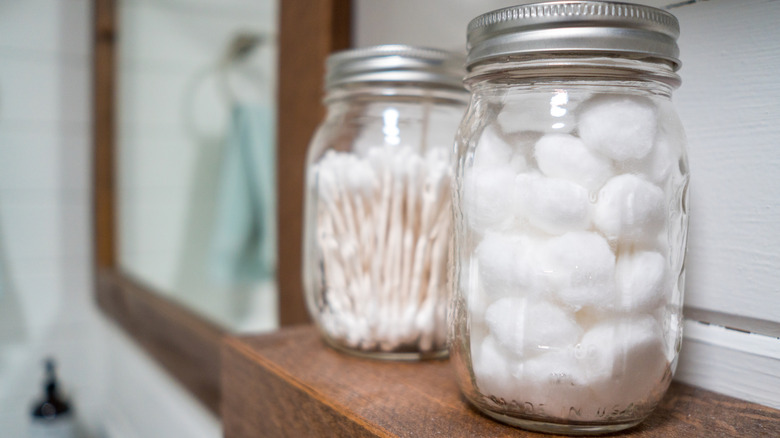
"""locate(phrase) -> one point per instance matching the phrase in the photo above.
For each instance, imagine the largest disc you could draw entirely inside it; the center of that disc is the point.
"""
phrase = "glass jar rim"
(574, 66)
(395, 89)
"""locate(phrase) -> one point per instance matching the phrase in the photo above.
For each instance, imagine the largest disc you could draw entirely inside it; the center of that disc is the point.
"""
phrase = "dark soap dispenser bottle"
(52, 416)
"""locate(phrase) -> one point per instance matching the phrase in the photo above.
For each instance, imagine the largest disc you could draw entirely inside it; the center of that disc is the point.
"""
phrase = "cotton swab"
(384, 236)
(622, 127)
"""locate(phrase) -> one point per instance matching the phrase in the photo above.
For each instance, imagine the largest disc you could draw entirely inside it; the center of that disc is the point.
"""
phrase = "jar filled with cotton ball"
(378, 224)
(570, 216)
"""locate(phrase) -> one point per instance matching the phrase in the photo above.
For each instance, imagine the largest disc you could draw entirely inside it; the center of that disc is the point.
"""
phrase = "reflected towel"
(244, 239)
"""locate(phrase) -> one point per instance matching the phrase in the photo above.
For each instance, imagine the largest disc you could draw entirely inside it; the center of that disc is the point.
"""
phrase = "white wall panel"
(46, 293)
(730, 105)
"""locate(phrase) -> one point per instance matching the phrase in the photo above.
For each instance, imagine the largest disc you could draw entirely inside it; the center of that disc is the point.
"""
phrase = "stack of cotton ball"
(383, 229)
(569, 242)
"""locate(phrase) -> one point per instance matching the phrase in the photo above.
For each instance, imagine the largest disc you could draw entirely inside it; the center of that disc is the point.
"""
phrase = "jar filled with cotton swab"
(570, 216)
(378, 225)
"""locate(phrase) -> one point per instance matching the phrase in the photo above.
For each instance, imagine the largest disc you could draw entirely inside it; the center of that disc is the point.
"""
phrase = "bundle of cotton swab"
(572, 260)
(384, 225)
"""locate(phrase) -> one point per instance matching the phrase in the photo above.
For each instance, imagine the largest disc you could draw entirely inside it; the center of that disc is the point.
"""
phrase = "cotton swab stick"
(384, 226)
(425, 317)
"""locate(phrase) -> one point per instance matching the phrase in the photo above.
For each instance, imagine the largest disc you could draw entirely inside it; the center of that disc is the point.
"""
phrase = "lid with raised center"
(592, 27)
(395, 63)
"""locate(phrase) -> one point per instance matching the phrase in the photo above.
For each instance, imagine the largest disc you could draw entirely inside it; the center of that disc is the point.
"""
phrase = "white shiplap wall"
(730, 104)
(45, 291)
(46, 305)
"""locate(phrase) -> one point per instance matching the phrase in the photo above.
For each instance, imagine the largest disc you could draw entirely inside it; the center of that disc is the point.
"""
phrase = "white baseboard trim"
(732, 362)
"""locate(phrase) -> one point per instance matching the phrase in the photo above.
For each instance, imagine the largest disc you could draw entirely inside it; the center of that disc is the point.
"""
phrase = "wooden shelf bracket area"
(289, 384)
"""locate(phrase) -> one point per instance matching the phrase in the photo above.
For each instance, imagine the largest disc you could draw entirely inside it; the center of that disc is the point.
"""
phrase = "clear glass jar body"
(570, 235)
(378, 220)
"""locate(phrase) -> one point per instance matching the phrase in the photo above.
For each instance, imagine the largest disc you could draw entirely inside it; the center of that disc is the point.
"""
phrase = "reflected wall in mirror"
(196, 155)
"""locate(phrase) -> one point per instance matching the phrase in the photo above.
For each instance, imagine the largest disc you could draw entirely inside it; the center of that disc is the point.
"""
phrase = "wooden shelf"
(289, 384)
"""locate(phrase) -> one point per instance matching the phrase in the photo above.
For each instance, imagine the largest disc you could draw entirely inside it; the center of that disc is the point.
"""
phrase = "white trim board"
(739, 364)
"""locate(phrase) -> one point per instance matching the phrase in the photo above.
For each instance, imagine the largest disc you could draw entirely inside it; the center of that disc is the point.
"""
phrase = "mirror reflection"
(196, 155)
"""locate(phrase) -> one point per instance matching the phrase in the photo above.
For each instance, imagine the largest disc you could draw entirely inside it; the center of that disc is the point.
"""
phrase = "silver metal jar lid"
(395, 63)
(557, 27)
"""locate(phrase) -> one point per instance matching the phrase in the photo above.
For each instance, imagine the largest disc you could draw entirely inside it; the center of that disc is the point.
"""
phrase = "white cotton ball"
(488, 197)
(611, 346)
(518, 163)
(624, 359)
(659, 163)
(523, 326)
(504, 264)
(558, 205)
(630, 208)
(549, 326)
(492, 150)
(477, 300)
(554, 367)
(506, 319)
(621, 127)
(522, 191)
(495, 151)
(565, 156)
(493, 370)
(578, 269)
(555, 379)
(642, 281)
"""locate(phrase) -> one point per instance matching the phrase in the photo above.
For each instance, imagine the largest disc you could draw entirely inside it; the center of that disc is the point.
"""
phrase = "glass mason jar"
(570, 216)
(378, 222)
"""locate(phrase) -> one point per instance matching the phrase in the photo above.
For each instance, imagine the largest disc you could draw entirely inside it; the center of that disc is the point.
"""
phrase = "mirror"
(195, 157)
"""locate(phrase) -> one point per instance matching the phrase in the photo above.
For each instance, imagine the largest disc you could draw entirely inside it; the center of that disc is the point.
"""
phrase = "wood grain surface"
(185, 344)
(288, 384)
(104, 30)
(309, 31)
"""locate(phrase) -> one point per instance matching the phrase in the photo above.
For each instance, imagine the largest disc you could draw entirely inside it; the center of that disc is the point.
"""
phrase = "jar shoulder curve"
(471, 125)
(336, 132)
(565, 108)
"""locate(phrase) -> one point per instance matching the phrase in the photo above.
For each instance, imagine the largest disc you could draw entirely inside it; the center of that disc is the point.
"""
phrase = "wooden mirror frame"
(184, 343)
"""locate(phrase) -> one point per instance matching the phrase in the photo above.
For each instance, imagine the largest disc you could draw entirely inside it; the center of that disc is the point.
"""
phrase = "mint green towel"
(244, 239)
